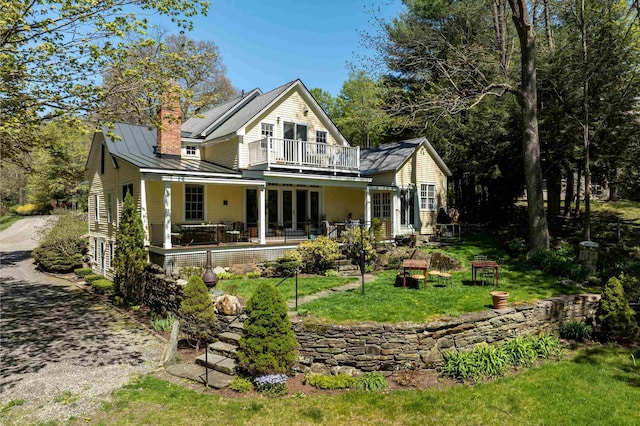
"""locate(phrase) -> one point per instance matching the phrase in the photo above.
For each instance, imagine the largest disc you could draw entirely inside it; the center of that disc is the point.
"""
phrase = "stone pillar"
(588, 254)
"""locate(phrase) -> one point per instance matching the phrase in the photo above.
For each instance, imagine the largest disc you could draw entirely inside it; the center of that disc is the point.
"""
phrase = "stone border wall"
(334, 348)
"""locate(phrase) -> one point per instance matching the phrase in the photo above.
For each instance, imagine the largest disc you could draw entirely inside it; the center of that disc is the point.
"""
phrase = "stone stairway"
(346, 268)
(221, 355)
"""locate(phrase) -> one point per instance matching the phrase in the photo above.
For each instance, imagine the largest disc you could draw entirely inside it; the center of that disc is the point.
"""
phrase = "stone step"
(218, 363)
(198, 373)
(237, 326)
(224, 349)
(229, 337)
(342, 262)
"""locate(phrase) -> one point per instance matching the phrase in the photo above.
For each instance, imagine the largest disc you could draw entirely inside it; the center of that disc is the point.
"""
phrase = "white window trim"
(184, 203)
(109, 205)
(185, 153)
(326, 133)
(96, 208)
(435, 197)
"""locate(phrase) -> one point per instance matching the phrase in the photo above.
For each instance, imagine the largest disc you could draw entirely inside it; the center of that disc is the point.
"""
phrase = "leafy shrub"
(353, 243)
(517, 246)
(27, 209)
(318, 255)
(102, 286)
(546, 345)
(187, 272)
(371, 381)
(614, 316)
(339, 381)
(491, 360)
(241, 385)
(575, 330)
(559, 261)
(286, 265)
(631, 286)
(83, 272)
(196, 311)
(460, 365)
(63, 244)
(272, 384)
(225, 275)
(253, 275)
(268, 345)
(331, 273)
(163, 324)
(520, 352)
(93, 277)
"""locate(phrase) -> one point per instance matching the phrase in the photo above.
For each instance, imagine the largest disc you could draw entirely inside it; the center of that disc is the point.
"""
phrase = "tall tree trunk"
(538, 228)
(578, 190)
(547, 26)
(498, 11)
(614, 186)
(568, 195)
(585, 127)
(554, 187)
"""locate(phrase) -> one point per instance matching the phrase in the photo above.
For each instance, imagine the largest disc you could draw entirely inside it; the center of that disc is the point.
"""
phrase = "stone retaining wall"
(162, 293)
(332, 348)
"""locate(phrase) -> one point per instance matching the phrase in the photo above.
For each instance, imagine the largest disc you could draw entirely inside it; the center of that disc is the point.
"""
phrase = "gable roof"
(136, 145)
(392, 156)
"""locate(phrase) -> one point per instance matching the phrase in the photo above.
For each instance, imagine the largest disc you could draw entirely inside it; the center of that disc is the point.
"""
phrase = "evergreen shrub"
(83, 272)
(93, 277)
(268, 345)
(285, 265)
(318, 255)
(197, 313)
(614, 316)
(63, 244)
(102, 286)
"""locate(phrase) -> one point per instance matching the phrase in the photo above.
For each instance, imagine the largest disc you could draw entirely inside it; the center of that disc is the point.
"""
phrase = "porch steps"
(217, 362)
(345, 267)
(224, 349)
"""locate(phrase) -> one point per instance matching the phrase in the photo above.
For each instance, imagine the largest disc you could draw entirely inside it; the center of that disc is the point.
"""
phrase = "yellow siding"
(216, 211)
(291, 109)
(339, 202)
(385, 179)
(223, 153)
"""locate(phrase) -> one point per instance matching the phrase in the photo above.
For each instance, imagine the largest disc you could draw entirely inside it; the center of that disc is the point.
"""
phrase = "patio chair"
(176, 234)
(233, 234)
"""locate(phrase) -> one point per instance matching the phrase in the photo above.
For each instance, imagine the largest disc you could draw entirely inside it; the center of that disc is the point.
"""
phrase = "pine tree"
(196, 311)
(268, 345)
(130, 256)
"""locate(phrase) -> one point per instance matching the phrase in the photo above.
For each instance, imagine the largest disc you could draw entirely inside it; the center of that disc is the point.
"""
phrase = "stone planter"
(499, 299)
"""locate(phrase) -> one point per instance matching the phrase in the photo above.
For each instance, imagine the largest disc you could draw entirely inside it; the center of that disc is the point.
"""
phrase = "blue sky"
(268, 43)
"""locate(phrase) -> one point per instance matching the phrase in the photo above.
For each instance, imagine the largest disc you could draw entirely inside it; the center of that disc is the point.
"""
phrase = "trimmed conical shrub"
(197, 313)
(268, 345)
(615, 317)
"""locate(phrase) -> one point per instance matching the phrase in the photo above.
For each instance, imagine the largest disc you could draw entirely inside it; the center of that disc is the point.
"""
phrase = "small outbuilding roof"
(391, 156)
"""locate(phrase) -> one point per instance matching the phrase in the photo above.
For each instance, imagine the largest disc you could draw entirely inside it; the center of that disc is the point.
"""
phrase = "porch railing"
(289, 152)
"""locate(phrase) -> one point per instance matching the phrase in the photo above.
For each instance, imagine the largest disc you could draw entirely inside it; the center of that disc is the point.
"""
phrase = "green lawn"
(383, 302)
(600, 386)
(624, 210)
(306, 285)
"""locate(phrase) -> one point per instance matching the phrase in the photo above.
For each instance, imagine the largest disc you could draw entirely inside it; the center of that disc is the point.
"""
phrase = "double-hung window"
(427, 197)
(194, 202)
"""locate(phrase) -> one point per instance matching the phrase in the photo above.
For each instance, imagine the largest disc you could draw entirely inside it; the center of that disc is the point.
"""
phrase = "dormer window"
(191, 150)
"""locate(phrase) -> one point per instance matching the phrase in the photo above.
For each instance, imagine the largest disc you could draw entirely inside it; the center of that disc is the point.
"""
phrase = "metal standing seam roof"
(391, 156)
(136, 146)
(249, 111)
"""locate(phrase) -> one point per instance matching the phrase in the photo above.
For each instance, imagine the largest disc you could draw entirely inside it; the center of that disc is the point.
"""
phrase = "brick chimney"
(170, 123)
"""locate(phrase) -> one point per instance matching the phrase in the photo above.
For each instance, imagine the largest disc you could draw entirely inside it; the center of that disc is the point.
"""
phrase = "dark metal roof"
(136, 145)
(391, 156)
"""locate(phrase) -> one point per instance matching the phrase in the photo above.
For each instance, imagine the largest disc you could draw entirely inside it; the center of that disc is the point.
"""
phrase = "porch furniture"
(176, 234)
(233, 231)
(448, 231)
(202, 234)
(486, 267)
(409, 265)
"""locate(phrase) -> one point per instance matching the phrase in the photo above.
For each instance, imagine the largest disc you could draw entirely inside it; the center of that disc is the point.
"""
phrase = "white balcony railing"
(288, 152)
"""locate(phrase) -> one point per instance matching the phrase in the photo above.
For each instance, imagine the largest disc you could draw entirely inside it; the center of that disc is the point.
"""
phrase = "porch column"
(262, 216)
(367, 207)
(143, 210)
(395, 209)
(167, 216)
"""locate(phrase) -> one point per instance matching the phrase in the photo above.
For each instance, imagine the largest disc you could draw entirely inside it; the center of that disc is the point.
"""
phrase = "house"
(250, 179)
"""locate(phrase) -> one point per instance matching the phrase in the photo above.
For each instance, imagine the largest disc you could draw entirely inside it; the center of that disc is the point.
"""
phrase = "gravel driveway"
(62, 351)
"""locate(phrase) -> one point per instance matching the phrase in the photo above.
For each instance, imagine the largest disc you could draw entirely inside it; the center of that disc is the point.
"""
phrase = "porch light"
(305, 111)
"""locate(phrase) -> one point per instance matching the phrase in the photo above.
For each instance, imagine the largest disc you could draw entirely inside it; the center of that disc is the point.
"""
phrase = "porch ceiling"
(312, 179)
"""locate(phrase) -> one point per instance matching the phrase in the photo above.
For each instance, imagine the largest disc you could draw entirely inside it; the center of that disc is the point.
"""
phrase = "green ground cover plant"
(102, 286)
(306, 285)
(337, 381)
(382, 302)
(593, 387)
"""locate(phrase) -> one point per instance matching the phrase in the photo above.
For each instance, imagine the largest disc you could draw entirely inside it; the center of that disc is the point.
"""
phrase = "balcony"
(289, 153)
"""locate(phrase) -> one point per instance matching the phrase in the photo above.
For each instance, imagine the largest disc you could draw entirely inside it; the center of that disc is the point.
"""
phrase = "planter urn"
(499, 299)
